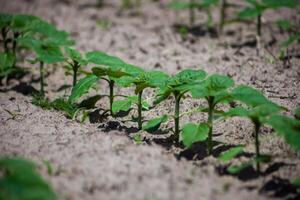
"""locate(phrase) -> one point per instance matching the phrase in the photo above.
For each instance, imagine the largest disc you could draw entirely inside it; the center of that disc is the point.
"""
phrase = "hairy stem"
(140, 123)
(210, 122)
(111, 95)
(257, 151)
(176, 116)
(42, 92)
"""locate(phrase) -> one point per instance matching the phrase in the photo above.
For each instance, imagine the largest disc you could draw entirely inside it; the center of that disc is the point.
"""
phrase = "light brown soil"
(92, 163)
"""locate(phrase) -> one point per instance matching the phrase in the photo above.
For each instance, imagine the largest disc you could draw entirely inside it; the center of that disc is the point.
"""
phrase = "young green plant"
(259, 109)
(214, 89)
(256, 9)
(178, 85)
(75, 61)
(111, 68)
(146, 79)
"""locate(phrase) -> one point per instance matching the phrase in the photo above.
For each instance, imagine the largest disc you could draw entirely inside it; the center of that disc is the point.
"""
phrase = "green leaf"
(101, 58)
(7, 62)
(288, 128)
(250, 13)
(214, 86)
(249, 96)
(82, 87)
(180, 5)
(20, 180)
(231, 153)
(192, 133)
(187, 76)
(154, 124)
(5, 20)
(234, 169)
(119, 105)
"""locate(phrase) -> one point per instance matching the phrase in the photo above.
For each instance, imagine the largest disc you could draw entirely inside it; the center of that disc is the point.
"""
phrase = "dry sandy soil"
(101, 160)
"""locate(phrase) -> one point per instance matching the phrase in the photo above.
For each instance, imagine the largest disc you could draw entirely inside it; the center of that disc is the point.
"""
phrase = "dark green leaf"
(288, 128)
(154, 124)
(234, 169)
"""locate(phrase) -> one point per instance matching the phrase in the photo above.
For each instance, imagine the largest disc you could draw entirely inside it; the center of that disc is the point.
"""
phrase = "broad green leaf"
(7, 64)
(82, 87)
(231, 153)
(250, 13)
(192, 133)
(249, 96)
(288, 128)
(111, 73)
(101, 58)
(214, 86)
(154, 124)
(176, 5)
(119, 105)
(186, 76)
(124, 81)
(234, 169)
(20, 181)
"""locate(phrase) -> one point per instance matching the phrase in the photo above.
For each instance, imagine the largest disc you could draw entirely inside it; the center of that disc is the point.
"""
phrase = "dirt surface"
(101, 160)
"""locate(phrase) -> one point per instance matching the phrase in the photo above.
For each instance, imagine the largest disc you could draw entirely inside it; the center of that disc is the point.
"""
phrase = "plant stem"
(42, 92)
(75, 70)
(192, 12)
(222, 15)
(176, 116)
(256, 132)
(140, 123)
(111, 95)
(4, 35)
(258, 33)
(210, 123)
(14, 47)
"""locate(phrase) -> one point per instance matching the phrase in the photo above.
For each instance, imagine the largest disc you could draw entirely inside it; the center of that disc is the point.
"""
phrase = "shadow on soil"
(197, 30)
(280, 188)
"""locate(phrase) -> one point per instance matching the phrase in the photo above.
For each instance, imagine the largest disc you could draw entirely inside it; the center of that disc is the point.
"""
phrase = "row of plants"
(252, 12)
(50, 45)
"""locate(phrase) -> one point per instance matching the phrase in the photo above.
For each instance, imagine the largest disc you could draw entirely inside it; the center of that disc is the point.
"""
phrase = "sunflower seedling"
(145, 79)
(259, 109)
(214, 89)
(110, 69)
(75, 61)
(178, 85)
(256, 9)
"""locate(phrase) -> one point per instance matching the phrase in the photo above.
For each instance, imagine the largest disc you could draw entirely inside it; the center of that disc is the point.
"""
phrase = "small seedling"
(214, 89)
(192, 5)
(20, 180)
(147, 79)
(258, 7)
(178, 85)
(110, 69)
(75, 61)
(258, 111)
